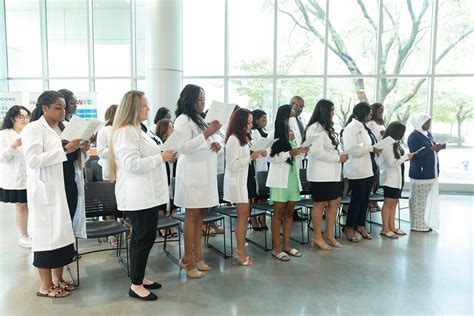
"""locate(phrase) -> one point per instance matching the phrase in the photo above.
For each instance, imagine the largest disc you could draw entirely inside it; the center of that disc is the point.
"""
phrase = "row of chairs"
(101, 202)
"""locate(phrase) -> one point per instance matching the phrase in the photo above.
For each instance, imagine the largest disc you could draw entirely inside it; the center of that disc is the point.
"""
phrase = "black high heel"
(253, 227)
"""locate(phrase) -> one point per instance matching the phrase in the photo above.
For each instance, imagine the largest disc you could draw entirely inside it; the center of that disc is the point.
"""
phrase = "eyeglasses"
(23, 117)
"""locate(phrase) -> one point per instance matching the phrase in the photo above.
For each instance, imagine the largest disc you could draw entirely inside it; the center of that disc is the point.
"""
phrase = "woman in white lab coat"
(261, 164)
(238, 159)
(12, 162)
(196, 174)
(358, 143)
(137, 164)
(284, 181)
(73, 170)
(324, 172)
(392, 177)
(103, 139)
(51, 226)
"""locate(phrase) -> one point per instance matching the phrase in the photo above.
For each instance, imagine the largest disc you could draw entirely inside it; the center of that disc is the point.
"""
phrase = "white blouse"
(323, 157)
(12, 162)
(358, 145)
(237, 158)
(103, 138)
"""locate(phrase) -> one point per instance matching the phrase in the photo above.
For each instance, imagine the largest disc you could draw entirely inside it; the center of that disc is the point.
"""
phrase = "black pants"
(360, 189)
(144, 224)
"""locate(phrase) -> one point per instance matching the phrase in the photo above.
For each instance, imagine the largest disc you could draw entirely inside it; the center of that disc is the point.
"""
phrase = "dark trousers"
(360, 189)
(144, 224)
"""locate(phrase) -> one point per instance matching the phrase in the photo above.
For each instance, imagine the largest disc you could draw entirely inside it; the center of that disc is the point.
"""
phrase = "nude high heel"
(201, 264)
(190, 269)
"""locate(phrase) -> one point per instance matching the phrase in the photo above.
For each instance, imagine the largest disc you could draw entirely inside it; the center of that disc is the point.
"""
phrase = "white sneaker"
(24, 241)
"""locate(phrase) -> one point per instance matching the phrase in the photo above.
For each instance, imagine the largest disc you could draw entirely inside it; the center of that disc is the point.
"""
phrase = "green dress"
(292, 191)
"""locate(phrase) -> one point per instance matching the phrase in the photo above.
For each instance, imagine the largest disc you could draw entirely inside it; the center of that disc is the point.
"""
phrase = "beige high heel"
(320, 243)
(332, 241)
(190, 269)
(201, 264)
(243, 261)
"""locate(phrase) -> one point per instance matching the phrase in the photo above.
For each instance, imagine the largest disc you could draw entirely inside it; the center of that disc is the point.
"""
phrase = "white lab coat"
(390, 168)
(323, 158)
(50, 222)
(358, 145)
(196, 173)
(141, 174)
(261, 164)
(279, 168)
(103, 139)
(237, 159)
(12, 162)
(79, 220)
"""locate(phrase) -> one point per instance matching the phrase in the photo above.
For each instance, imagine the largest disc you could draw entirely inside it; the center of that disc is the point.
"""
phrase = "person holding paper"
(51, 226)
(164, 129)
(358, 143)
(239, 172)
(284, 181)
(196, 174)
(137, 164)
(102, 143)
(324, 172)
(392, 170)
(377, 127)
(73, 169)
(12, 168)
(261, 164)
(103, 139)
(424, 172)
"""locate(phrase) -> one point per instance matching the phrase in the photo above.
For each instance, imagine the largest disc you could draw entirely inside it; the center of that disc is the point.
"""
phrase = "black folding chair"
(100, 201)
(167, 222)
(230, 211)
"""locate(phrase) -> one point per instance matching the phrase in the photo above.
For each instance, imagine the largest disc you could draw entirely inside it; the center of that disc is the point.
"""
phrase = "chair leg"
(77, 263)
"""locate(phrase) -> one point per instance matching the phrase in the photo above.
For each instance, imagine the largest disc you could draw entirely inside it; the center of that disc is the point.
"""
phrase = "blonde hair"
(126, 114)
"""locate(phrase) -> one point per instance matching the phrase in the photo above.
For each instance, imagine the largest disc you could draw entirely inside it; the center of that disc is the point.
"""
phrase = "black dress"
(69, 173)
(251, 184)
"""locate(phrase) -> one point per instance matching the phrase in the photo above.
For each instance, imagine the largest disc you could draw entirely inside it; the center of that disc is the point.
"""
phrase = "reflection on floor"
(422, 273)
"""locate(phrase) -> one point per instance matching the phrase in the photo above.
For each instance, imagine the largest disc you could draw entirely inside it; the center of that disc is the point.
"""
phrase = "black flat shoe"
(153, 286)
(149, 297)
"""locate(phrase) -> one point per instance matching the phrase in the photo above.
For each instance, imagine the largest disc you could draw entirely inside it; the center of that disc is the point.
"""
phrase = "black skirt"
(391, 193)
(251, 184)
(326, 191)
(52, 259)
(13, 196)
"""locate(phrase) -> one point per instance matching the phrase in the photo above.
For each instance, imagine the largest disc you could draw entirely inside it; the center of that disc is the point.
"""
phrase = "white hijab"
(419, 120)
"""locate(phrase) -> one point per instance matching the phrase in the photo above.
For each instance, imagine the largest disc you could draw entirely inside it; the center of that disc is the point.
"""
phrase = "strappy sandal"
(66, 286)
(389, 234)
(282, 256)
(399, 232)
(294, 252)
(364, 235)
(54, 292)
(201, 264)
(351, 239)
(239, 256)
(190, 269)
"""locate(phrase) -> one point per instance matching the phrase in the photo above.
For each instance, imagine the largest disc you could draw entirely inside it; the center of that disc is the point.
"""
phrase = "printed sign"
(86, 105)
(7, 100)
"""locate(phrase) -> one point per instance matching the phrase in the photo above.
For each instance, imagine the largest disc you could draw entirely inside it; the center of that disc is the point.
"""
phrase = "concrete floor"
(422, 273)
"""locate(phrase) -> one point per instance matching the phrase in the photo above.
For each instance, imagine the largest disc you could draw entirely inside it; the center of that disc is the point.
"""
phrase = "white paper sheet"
(220, 111)
(82, 129)
(309, 141)
(262, 143)
(174, 141)
(385, 142)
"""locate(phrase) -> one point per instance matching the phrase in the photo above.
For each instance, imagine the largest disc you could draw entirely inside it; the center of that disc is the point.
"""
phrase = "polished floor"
(418, 274)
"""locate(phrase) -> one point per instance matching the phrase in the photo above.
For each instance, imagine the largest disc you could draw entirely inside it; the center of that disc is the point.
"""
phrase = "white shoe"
(24, 241)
